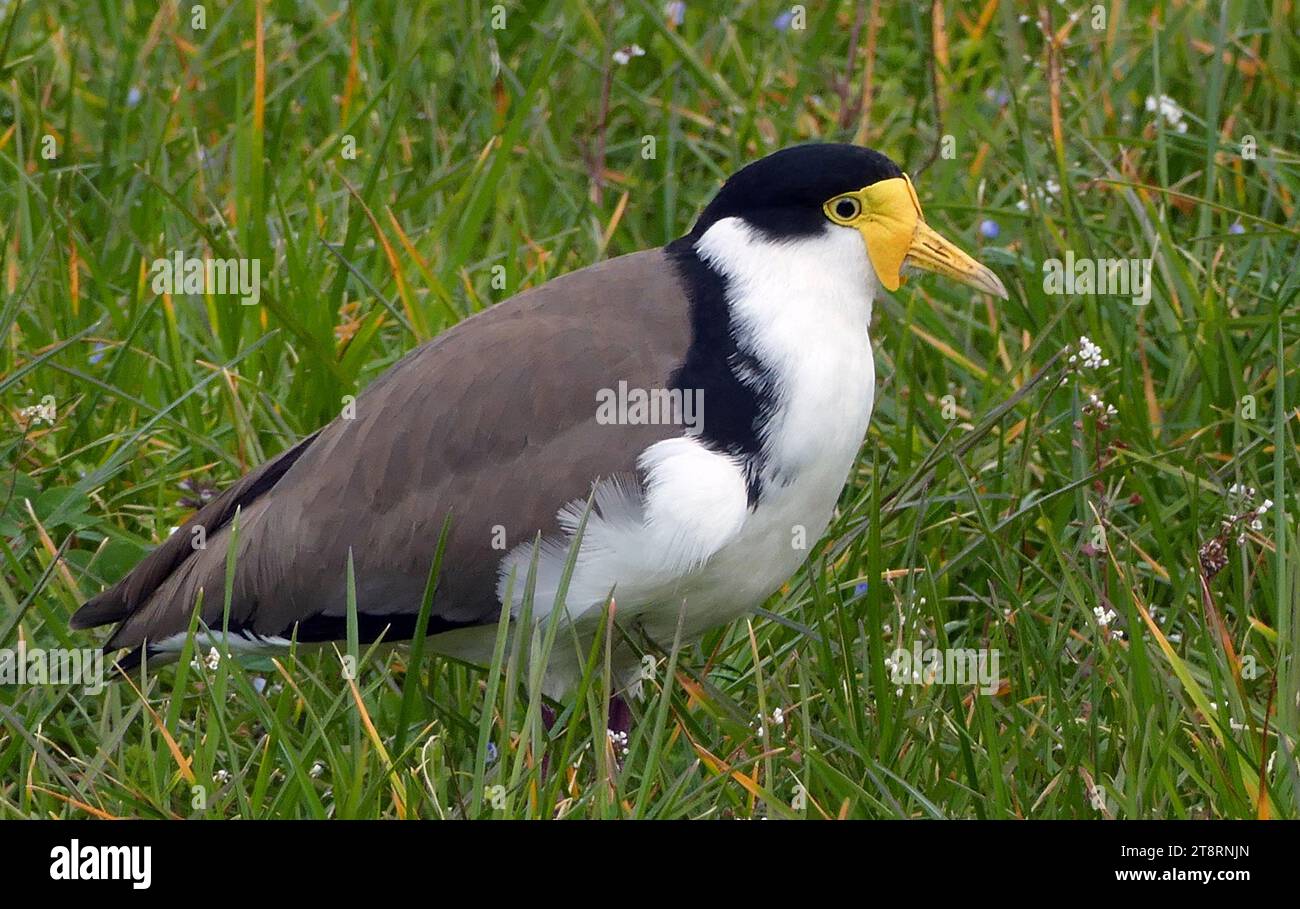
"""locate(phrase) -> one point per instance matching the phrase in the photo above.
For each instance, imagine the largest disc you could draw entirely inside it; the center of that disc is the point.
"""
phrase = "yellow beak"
(931, 252)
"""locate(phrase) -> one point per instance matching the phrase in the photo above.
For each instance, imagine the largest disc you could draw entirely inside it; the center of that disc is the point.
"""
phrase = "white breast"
(804, 308)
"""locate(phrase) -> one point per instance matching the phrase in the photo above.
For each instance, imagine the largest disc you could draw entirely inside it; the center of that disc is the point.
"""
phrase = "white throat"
(802, 307)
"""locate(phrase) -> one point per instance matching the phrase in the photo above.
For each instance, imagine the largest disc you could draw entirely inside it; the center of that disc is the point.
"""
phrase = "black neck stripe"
(736, 409)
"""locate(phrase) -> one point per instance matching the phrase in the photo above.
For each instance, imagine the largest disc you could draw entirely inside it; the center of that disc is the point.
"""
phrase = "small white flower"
(212, 660)
(221, 777)
(1096, 405)
(33, 414)
(1089, 355)
(1169, 109)
(1104, 616)
(619, 741)
(316, 770)
(623, 56)
(1097, 798)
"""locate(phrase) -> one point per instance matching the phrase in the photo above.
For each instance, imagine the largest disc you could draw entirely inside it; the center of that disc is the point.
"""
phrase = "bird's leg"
(620, 715)
(620, 726)
(548, 721)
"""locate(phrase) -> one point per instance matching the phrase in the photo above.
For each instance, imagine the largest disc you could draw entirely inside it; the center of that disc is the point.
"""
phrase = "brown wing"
(493, 421)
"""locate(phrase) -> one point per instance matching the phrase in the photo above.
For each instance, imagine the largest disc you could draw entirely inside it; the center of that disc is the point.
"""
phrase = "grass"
(396, 167)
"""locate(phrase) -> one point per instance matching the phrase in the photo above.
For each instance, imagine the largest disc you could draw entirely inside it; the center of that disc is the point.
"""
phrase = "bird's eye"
(846, 208)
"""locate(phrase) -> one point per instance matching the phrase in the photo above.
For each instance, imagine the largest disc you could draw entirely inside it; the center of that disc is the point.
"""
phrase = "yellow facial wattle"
(888, 215)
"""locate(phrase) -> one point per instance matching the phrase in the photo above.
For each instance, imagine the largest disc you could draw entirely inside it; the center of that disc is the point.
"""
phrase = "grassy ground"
(395, 167)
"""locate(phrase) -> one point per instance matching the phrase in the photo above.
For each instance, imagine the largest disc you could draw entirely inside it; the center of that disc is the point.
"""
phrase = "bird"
(668, 424)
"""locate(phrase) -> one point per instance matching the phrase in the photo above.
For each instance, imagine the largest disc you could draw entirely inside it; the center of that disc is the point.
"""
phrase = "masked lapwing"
(708, 399)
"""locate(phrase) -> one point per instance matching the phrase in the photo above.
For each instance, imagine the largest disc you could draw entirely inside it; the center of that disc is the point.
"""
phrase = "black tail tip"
(100, 610)
(131, 660)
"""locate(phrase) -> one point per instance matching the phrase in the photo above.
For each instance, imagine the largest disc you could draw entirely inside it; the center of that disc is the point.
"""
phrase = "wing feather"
(493, 422)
